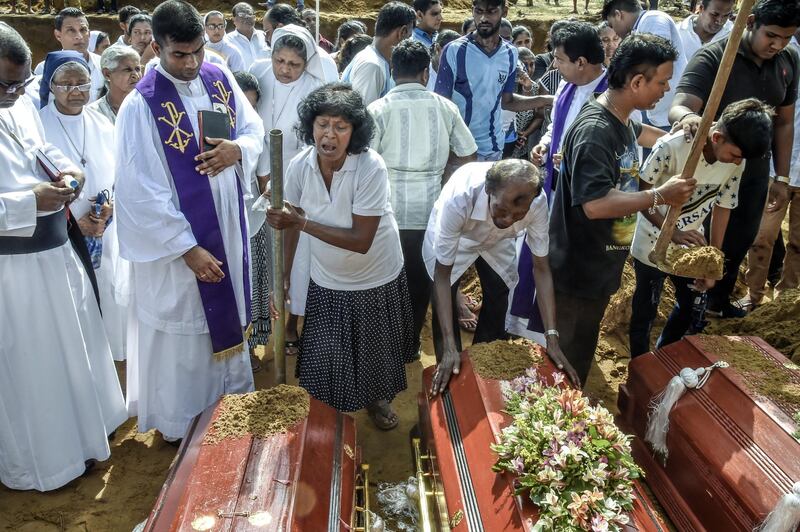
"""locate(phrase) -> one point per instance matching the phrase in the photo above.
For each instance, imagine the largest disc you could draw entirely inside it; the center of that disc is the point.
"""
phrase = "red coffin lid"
(302, 480)
(486, 499)
(731, 453)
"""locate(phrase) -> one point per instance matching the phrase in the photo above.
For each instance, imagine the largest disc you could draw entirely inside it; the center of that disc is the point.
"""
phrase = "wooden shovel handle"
(659, 253)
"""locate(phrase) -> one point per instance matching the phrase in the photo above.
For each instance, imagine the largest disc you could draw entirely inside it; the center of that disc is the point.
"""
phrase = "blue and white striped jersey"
(475, 81)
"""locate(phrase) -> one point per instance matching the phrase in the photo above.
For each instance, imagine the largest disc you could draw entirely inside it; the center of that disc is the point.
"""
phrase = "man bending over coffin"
(480, 212)
(183, 227)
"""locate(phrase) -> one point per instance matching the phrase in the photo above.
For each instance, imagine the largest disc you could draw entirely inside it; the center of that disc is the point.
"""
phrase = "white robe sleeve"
(149, 224)
(18, 211)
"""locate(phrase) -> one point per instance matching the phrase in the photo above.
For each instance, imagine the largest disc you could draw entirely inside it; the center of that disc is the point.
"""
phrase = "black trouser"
(740, 235)
(578, 321)
(644, 306)
(776, 263)
(492, 318)
(419, 282)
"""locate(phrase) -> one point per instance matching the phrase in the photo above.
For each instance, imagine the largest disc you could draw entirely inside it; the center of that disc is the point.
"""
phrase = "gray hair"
(12, 46)
(114, 54)
(508, 171)
(71, 66)
(293, 42)
(240, 6)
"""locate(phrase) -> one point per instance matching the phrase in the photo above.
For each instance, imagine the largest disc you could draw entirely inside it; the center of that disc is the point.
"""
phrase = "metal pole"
(278, 296)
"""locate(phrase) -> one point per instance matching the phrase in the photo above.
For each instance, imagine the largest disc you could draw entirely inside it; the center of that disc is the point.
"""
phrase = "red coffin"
(303, 480)
(731, 455)
(457, 428)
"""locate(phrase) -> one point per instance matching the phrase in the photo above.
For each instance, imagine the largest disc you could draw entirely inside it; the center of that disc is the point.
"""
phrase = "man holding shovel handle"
(764, 68)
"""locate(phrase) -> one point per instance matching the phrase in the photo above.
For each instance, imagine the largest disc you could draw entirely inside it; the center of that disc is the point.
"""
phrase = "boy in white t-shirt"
(743, 131)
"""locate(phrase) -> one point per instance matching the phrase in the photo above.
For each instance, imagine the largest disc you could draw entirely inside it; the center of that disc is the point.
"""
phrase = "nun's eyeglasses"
(66, 89)
(213, 27)
(11, 88)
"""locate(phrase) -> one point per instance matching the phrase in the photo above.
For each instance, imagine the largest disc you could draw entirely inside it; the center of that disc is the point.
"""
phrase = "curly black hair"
(336, 99)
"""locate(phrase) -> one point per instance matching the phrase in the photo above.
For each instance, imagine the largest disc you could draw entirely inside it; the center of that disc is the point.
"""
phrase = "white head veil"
(313, 61)
(93, 36)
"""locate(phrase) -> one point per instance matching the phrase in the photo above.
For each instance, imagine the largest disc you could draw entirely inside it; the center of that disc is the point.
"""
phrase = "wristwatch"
(781, 179)
(551, 332)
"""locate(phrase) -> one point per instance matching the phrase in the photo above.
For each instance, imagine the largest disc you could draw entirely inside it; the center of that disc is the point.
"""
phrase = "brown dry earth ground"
(120, 492)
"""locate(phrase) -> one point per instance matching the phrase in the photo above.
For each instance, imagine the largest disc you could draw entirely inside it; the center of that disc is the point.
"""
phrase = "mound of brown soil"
(261, 413)
(697, 262)
(761, 374)
(504, 359)
(777, 322)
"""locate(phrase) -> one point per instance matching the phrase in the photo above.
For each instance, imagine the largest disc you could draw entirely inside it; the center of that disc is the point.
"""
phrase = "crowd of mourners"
(136, 221)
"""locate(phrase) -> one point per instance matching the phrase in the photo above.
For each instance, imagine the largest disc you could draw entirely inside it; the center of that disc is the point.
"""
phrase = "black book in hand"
(215, 125)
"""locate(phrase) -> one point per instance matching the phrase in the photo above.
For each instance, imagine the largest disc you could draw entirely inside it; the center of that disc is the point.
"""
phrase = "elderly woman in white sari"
(122, 70)
(294, 70)
(86, 137)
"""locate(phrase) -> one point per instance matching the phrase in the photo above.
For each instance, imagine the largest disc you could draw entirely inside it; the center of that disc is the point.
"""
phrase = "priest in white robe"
(59, 392)
(191, 302)
(84, 135)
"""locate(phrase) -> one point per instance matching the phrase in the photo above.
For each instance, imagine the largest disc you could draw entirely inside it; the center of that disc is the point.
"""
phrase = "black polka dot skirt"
(260, 285)
(355, 344)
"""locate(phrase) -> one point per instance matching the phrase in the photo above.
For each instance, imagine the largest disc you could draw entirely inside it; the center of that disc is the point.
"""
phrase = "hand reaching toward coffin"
(449, 366)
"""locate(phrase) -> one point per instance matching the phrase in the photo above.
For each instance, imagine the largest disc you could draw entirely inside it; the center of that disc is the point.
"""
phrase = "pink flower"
(599, 524)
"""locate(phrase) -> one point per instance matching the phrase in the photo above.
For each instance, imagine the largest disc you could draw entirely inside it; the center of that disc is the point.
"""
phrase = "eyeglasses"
(11, 88)
(214, 27)
(66, 89)
(246, 18)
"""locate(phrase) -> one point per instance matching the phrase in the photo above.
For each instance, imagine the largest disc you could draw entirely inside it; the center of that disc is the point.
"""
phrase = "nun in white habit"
(292, 72)
(85, 136)
(59, 392)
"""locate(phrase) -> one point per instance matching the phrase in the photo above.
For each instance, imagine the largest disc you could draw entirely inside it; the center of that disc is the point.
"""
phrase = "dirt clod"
(504, 359)
(261, 413)
(697, 262)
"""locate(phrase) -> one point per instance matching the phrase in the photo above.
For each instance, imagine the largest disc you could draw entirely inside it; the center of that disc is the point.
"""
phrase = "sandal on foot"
(291, 348)
(382, 415)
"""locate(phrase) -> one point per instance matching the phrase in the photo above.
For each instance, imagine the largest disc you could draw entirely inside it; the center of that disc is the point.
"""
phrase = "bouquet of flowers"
(571, 459)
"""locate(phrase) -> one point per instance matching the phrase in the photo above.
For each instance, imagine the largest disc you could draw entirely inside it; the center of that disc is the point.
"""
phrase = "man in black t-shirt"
(766, 69)
(594, 210)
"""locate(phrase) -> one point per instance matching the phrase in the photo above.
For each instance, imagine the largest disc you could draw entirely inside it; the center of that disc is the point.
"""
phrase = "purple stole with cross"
(523, 301)
(196, 201)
